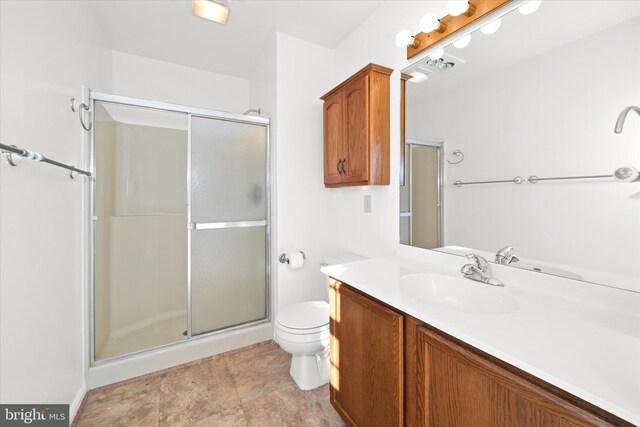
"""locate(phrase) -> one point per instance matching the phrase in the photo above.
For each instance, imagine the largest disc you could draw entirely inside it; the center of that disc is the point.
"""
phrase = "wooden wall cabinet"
(356, 129)
(390, 369)
(366, 359)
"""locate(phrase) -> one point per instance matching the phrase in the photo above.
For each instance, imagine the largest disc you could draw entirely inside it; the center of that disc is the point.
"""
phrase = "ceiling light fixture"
(492, 26)
(529, 7)
(213, 10)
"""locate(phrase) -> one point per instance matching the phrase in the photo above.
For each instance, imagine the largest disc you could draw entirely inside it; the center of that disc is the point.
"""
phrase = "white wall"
(560, 125)
(375, 233)
(47, 51)
(147, 78)
(304, 213)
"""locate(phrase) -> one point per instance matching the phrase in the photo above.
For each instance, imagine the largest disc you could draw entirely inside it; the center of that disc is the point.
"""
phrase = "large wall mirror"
(510, 142)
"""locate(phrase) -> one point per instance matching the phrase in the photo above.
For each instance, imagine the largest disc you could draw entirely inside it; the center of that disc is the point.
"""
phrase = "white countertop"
(580, 337)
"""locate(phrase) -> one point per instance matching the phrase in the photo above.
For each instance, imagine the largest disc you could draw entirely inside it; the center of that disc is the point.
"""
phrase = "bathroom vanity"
(410, 348)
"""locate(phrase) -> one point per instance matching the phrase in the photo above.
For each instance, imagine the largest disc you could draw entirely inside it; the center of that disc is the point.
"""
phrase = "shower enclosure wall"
(180, 224)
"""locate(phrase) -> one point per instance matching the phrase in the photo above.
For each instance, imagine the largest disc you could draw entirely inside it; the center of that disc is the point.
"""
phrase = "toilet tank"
(339, 258)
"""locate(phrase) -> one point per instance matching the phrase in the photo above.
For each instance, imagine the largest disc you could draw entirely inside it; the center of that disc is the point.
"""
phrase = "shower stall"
(180, 224)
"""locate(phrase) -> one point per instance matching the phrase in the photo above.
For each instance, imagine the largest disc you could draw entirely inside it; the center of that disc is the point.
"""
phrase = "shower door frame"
(189, 112)
(439, 146)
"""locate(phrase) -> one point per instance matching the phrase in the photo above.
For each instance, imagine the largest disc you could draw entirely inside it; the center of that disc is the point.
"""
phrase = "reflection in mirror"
(529, 157)
(421, 195)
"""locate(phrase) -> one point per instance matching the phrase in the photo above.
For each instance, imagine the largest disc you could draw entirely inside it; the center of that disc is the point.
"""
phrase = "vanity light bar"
(436, 33)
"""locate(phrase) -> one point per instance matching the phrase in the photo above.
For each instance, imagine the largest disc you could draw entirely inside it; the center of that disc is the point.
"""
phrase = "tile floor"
(245, 387)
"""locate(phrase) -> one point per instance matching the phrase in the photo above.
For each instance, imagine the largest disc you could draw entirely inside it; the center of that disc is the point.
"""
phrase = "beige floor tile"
(135, 403)
(264, 374)
(246, 387)
(198, 392)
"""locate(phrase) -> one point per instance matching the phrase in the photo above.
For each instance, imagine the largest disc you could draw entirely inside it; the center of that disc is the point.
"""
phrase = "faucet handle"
(503, 256)
(482, 263)
(506, 251)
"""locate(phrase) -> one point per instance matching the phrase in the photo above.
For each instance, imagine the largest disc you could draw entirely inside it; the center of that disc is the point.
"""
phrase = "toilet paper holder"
(284, 259)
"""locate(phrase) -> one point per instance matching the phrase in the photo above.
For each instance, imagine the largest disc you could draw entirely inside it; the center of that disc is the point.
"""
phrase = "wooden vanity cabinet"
(356, 129)
(366, 359)
(456, 385)
(390, 369)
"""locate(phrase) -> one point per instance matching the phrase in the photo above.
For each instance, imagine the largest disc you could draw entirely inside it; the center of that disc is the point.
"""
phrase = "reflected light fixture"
(529, 7)
(492, 26)
(213, 10)
(418, 77)
(462, 41)
(437, 54)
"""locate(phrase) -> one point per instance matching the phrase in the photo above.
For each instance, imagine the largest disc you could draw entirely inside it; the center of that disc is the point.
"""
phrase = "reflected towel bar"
(516, 180)
(533, 179)
(39, 158)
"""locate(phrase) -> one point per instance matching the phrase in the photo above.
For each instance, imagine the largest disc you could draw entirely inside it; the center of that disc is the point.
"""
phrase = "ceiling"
(166, 29)
(554, 24)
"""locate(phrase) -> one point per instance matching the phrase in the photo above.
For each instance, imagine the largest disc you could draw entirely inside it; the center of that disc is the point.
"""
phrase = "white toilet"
(302, 329)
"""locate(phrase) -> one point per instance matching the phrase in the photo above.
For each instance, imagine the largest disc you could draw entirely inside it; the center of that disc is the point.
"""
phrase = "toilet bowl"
(302, 329)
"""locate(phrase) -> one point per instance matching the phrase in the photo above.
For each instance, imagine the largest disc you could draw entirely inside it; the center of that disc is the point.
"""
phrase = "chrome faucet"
(479, 271)
(623, 116)
(504, 256)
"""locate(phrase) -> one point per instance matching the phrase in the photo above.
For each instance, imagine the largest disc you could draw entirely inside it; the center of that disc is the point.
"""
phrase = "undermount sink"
(459, 294)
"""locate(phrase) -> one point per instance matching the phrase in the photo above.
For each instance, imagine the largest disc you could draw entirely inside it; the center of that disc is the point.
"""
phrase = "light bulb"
(529, 7)
(437, 54)
(491, 27)
(462, 42)
(457, 7)
(429, 22)
(404, 38)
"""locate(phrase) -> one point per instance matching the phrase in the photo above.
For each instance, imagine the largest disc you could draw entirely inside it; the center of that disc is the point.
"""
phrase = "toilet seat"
(304, 318)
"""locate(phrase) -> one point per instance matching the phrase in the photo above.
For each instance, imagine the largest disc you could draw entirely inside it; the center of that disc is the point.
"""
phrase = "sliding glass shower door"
(180, 240)
(227, 223)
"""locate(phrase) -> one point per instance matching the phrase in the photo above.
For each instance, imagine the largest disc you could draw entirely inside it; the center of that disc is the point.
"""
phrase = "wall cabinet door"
(356, 131)
(333, 136)
(366, 359)
(458, 387)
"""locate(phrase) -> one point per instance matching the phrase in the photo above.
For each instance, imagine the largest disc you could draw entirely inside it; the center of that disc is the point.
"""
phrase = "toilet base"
(310, 372)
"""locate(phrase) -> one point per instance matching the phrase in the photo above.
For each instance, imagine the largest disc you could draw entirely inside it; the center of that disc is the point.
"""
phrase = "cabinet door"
(333, 134)
(366, 360)
(458, 387)
(356, 131)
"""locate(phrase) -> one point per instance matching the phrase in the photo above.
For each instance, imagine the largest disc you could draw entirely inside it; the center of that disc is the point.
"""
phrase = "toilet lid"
(304, 315)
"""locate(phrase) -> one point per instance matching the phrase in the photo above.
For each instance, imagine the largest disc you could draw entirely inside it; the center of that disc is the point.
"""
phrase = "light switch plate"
(367, 203)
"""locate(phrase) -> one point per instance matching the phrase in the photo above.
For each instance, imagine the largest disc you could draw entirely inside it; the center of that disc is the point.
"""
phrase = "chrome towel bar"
(533, 179)
(11, 149)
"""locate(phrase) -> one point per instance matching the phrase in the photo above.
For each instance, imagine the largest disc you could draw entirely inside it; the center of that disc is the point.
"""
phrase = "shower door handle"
(236, 224)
